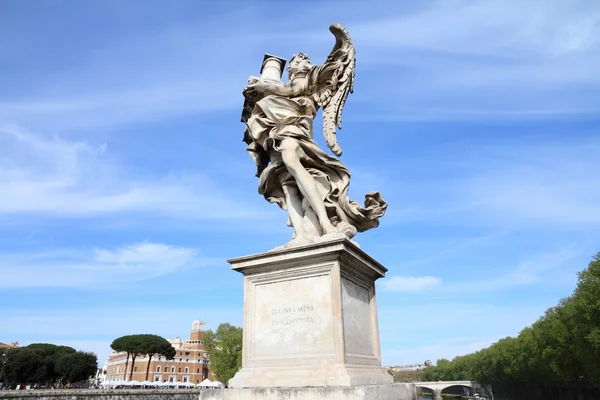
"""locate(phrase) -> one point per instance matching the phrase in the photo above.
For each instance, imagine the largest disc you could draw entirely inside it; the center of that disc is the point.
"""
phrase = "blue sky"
(124, 183)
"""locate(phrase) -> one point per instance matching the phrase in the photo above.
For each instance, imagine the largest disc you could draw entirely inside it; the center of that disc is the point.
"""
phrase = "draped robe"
(275, 118)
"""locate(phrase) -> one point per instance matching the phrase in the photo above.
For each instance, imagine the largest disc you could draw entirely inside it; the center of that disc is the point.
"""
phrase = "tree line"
(47, 365)
(558, 357)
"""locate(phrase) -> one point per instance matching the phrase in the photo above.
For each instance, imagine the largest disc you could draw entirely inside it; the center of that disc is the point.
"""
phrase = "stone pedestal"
(310, 318)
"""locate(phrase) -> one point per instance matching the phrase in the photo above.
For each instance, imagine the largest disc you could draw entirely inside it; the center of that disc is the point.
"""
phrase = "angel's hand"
(257, 86)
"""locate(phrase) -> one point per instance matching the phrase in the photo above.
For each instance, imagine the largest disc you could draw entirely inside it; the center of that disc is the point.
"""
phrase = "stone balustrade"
(109, 394)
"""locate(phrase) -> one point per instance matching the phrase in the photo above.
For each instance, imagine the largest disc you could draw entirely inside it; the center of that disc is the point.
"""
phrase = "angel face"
(299, 62)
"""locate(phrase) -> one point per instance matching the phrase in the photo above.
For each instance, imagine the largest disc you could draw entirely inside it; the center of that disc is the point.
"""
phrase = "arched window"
(158, 369)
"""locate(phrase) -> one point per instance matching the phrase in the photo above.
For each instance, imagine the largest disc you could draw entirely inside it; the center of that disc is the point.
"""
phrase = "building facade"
(411, 367)
(190, 364)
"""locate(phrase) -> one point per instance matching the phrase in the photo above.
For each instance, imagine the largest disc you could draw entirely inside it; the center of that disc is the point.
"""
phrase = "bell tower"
(198, 329)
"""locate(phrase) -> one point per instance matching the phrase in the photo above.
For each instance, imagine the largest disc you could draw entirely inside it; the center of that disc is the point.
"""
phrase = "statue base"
(397, 391)
(310, 318)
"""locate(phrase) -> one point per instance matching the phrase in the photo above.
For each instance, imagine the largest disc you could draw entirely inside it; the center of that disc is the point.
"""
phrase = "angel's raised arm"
(292, 89)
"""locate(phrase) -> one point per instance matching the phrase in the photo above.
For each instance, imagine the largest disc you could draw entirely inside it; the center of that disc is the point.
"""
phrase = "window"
(156, 378)
(179, 369)
(187, 360)
(187, 353)
(158, 369)
(171, 379)
(180, 359)
(172, 369)
(198, 371)
(185, 379)
(187, 370)
(134, 369)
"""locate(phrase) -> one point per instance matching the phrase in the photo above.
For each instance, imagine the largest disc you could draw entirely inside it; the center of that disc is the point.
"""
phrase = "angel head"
(299, 63)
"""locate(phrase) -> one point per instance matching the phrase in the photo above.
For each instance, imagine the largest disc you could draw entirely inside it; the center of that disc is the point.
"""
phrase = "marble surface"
(357, 318)
(294, 172)
(293, 317)
(310, 318)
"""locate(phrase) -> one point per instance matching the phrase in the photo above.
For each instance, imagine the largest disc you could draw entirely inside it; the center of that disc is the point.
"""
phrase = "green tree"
(152, 345)
(24, 366)
(140, 344)
(50, 353)
(77, 367)
(586, 318)
(123, 344)
(224, 348)
(43, 363)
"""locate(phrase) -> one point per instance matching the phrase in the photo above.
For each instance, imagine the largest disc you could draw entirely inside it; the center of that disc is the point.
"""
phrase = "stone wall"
(112, 394)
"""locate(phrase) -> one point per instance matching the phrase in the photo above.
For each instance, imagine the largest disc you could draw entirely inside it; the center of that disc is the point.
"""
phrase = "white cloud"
(138, 105)
(142, 76)
(491, 27)
(97, 267)
(410, 284)
(494, 59)
(50, 176)
(436, 60)
(139, 75)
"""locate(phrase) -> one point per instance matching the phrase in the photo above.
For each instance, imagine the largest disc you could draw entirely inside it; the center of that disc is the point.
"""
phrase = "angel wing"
(331, 83)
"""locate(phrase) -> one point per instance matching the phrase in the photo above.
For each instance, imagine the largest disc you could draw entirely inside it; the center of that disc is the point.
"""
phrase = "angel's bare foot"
(328, 228)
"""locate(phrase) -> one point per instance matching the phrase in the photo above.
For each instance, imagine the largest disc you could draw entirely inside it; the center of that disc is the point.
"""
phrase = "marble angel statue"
(294, 172)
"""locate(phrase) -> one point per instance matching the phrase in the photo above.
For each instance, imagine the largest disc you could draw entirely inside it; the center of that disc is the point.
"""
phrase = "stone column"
(271, 70)
(437, 395)
(272, 67)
